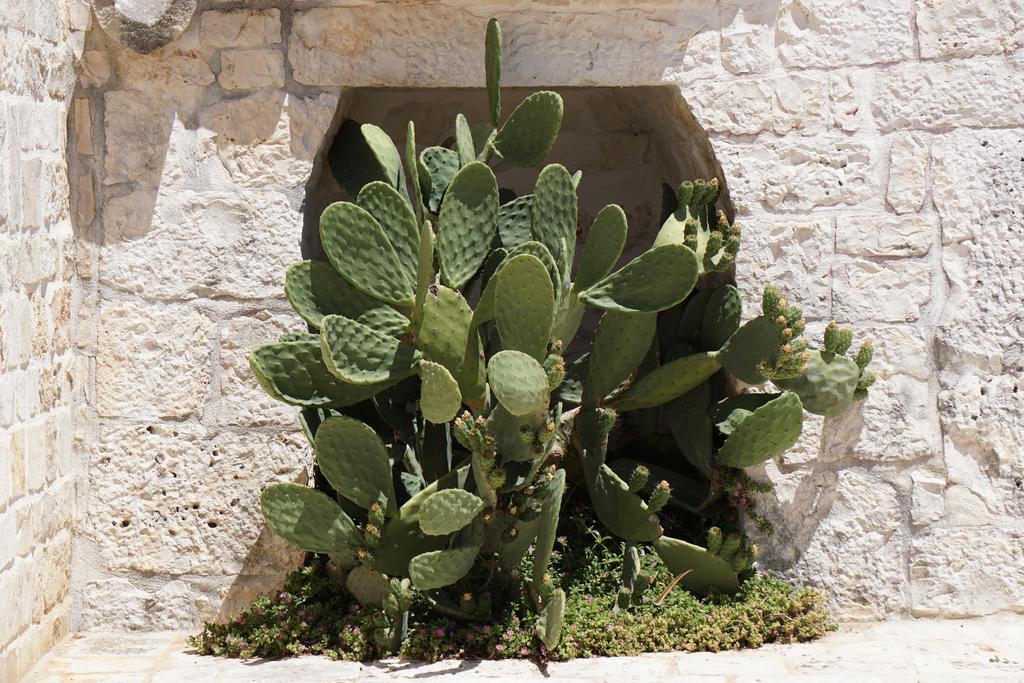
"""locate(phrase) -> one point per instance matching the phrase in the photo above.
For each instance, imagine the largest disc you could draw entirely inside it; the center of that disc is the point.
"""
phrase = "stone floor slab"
(985, 649)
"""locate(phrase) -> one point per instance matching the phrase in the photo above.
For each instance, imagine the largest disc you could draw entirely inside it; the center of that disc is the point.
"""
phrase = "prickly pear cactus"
(444, 434)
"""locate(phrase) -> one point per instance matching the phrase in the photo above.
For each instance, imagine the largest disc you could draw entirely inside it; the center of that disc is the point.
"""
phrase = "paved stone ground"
(990, 648)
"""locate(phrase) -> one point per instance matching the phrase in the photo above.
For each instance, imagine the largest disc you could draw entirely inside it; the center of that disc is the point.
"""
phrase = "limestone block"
(748, 40)
(144, 25)
(979, 197)
(842, 532)
(908, 164)
(961, 29)
(926, 504)
(884, 235)
(898, 349)
(896, 422)
(137, 127)
(95, 67)
(178, 499)
(823, 33)
(169, 69)
(967, 571)
(240, 28)
(794, 253)
(888, 291)
(984, 416)
(115, 603)
(798, 174)
(426, 45)
(202, 244)
(950, 93)
(778, 104)
(151, 361)
(243, 403)
(251, 69)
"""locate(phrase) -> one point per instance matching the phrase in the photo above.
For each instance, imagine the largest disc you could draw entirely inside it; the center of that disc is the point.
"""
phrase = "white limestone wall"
(39, 375)
(872, 149)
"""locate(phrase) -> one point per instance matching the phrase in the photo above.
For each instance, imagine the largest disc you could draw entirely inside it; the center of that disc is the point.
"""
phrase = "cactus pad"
(654, 281)
(668, 381)
(308, 519)
(827, 386)
(620, 343)
(524, 305)
(467, 223)
(531, 129)
(515, 221)
(395, 216)
(518, 381)
(440, 166)
(708, 573)
(440, 568)
(361, 355)
(294, 373)
(314, 289)
(355, 462)
(605, 240)
(440, 397)
(358, 248)
(549, 622)
(367, 585)
(763, 434)
(386, 154)
(447, 511)
(547, 528)
(492, 69)
(554, 213)
(444, 331)
(756, 342)
(721, 317)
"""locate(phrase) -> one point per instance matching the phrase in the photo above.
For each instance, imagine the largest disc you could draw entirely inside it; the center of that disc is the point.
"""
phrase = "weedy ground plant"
(450, 428)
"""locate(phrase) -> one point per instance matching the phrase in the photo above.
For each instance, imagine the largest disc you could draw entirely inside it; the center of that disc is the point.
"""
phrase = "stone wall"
(39, 375)
(872, 150)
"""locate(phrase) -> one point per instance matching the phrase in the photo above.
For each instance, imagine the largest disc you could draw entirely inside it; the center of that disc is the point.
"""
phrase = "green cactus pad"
(554, 213)
(440, 398)
(472, 376)
(827, 386)
(308, 519)
(654, 281)
(708, 573)
(359, 250)
(402, 539)
(424, 270)
(620, 343)
(764, 434)
(547, 529)
(294, 373)
(624, 513)
(298, 337)
(668, 381)
(440, 568)
(355, 461)
(441, 165)
(386, 153)
(314, 289)
(721, 317)
(492, 68)
(691, 427)
(464, 141)
(537, 249)
(385, 320)
(524, 305)
(756, 342)
(368, 586)
(549, 621)
(444, 331)
(507, 431)
(467, 223)
(392, 211)
(605, 240)
(518, 381)
(515, 221)
(686, 493)
(359, 354)
(530, 131)
(449, 510)
(412, 165)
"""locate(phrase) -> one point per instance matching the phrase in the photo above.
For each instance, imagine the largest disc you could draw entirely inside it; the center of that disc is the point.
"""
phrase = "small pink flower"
(439, 632)
(487, 628)
(499, 647)
(562, 539)
(609, 628)
(301, 612)
(469, 637)
(355, 629)
(524, 651)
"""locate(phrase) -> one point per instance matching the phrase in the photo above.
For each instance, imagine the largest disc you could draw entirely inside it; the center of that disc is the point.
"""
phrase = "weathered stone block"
(178, 499)
(243, 403)
(888, 291)
(949, 93)
(251, 69)
(961, 29)
(747, 107)
(884, 235)
(137, 128)
(908, 166)
(152, 361)
(240, 28)
(822, 33)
